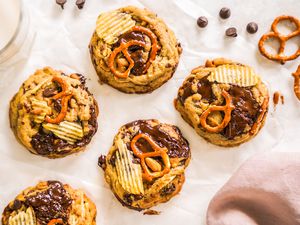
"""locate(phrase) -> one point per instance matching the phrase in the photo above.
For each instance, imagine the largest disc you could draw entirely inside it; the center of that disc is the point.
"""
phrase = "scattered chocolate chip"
(61, 3)
(231, 32)
(80, 3)
(225, 13)
(202, 21)
(49, 92)
(102, 161)
(252, 28)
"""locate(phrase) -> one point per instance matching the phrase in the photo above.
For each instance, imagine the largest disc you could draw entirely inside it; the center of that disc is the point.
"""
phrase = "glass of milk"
(15, 33)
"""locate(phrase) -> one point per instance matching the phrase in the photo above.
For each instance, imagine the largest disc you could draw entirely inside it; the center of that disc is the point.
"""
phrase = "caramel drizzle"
(124, 49)
(65, 97)
(274, 33)
(296, 76)
(158, 152)
(227, 108)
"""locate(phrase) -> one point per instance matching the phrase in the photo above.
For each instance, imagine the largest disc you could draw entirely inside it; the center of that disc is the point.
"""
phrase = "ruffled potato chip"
(39, 109)
(110, 26)
(69, 131)
(129, 174)
(242, 76)
(23, 218)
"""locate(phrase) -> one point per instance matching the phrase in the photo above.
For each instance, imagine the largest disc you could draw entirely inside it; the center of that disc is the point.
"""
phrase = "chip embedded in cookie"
(50, 203)
(225, 102)
(133, 50)
(53, 114)
(146, 164)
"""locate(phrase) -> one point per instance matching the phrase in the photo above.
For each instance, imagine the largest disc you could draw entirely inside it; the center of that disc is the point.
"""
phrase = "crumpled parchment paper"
(61, 42)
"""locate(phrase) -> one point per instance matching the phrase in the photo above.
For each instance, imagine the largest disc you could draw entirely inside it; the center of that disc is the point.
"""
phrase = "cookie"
(146, 164)
(54, 114)
(50, 203)
(133, 50)
(224, 101)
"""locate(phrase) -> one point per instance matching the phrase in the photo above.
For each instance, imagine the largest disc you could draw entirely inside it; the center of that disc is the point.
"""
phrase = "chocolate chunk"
(102, 161)
(49, 92)
(61, 3)
(204, 89)
(16, 205)
(51, 203)
(231, 32)
(202, 21)
(80, 3)
(225, 13)
(167, 190)
(252, 28)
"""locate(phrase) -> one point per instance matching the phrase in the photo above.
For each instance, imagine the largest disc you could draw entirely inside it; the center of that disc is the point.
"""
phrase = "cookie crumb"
(151, 212)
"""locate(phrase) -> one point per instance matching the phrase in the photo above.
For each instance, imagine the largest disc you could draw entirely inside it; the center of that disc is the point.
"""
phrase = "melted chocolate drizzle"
(245, 113)
(135, 51)
(176, 147)
(51, 203)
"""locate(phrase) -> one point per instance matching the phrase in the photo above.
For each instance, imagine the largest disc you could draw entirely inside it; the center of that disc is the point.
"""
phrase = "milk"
(10, 13)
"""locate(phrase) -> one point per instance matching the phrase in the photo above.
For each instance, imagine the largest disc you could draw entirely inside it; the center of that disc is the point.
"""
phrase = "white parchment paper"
(61, 42)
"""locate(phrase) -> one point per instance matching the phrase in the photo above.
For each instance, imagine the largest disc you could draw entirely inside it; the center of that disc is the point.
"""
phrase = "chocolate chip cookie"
(145, 166)
(224, 101)
(133, 50)
(50, 203)
(54, 114)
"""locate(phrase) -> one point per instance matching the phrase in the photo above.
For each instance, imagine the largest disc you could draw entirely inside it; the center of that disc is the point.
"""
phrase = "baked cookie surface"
(133, 50)
(224, 101)
(50, 203)
(145, 166)
(53, 114)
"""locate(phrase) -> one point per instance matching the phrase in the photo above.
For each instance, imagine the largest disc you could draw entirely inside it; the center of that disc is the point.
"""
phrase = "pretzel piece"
(55, 221)
(124, 49)
(274, 33)
(264, 107)
(296, 75)
(63, 112)
(158, 152)
(227, 108)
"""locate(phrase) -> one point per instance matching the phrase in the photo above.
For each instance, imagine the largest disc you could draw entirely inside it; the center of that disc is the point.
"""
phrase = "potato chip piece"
(39, 109)
(111, 25)
(69, 131)
(242, 76)
(129, 174)
(23, 218)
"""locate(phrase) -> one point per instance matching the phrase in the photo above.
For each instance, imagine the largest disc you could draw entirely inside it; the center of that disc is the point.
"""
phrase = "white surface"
(61, 42)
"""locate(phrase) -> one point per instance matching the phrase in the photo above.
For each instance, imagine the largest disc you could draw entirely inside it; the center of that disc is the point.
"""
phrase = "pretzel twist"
(296, 75)
(124, 49)
(158, 152)
(65, 97)
(274, 33)
(55, 221)
(227, 108)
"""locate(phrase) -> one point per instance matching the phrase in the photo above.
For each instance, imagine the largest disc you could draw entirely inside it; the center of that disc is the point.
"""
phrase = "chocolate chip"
(61, 3)
(80, 3)
(202, 21)
(231, 32)
(252, 28)
(225, 13)
(49, 92)
(16, 205)
(102, 161)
